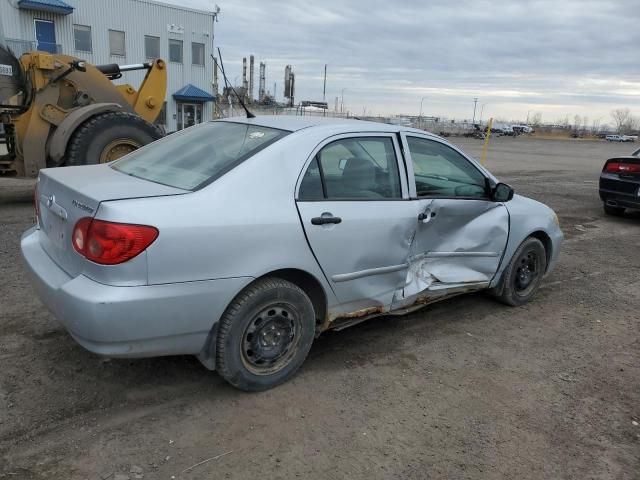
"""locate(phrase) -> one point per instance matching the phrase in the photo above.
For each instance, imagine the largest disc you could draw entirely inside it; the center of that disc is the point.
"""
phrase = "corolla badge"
(82, 206)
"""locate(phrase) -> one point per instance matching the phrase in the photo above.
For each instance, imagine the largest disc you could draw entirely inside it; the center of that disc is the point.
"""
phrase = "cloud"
(514, 56)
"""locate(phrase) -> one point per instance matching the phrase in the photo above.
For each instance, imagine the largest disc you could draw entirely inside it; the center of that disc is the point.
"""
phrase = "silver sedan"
(241, 240)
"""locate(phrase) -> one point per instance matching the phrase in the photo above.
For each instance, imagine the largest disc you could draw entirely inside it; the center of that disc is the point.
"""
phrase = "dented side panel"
(459, 241)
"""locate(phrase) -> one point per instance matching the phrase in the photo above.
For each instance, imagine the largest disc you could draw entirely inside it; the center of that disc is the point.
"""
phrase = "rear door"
(461, 233)
(354, 206)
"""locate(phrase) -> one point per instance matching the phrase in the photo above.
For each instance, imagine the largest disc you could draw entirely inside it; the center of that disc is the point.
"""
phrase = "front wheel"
(524, 273)
(265, 335)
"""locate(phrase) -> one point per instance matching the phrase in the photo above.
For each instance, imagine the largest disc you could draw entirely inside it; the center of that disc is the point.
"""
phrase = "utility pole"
(475, 103)
(324, 88)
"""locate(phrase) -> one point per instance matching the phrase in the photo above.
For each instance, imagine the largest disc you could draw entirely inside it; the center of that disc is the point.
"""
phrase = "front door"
(45, 36)
(354, 206)
(190, 114)
(461, 233)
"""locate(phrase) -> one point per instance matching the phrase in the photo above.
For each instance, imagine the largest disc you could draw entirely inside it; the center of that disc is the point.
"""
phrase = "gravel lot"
(467, 388)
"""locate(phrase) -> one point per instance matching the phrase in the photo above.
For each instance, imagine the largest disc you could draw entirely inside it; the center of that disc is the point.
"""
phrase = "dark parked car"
(620, 184)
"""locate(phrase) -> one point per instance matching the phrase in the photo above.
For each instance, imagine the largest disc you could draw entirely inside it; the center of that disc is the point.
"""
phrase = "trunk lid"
(65, 195)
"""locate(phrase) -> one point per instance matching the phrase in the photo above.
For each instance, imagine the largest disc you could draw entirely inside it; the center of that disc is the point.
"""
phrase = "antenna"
(226, 81)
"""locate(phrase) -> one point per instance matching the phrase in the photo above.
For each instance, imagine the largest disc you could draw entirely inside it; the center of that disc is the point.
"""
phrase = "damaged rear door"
(356, 212)
(461, 233)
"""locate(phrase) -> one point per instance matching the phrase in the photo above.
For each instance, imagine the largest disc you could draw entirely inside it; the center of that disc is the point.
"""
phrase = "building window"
(151, 47)
(175, 50)
(82, 38)
(116, 43)
(197, 53)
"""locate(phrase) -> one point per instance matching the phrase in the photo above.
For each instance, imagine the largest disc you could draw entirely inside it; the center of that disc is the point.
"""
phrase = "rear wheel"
(616, 211)
(265, 335)
(524, 273)
(109, 136)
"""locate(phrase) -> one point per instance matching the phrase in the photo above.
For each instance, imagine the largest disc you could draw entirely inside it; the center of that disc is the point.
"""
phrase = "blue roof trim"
(53, 6)
(191, 93)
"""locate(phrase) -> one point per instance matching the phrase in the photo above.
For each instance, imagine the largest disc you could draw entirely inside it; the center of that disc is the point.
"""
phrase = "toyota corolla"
(241, 240)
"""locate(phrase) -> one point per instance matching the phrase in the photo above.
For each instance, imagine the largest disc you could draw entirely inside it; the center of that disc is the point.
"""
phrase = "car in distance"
(241, 240)
(620, 184)
(621, 138)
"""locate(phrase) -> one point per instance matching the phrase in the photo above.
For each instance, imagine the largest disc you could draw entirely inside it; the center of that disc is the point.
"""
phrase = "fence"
(20, 47)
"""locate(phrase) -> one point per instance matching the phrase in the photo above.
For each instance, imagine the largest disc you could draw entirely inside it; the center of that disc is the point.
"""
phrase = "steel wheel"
(269, 341)
(522, 277)
(118, 148)
(265, 334)
(527, 272)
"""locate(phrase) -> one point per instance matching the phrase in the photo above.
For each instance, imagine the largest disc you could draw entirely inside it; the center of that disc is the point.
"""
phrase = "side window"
(311, 185)
(362, 168)
(440, 171)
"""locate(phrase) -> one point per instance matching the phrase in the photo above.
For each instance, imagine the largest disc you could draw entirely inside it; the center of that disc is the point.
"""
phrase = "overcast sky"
(554, 57)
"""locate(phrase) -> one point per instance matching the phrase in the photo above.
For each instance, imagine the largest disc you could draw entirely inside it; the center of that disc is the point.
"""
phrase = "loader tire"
(109, 136)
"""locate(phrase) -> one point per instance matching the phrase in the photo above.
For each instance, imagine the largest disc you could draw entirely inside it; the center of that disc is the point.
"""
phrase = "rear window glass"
(197, 156)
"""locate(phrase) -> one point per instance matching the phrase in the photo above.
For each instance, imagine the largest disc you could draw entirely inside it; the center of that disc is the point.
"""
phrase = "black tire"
(249, 355)
(103, 137)
(616, 211)
(523, 275)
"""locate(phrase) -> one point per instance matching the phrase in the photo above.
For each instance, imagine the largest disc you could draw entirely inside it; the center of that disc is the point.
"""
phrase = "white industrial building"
(125, 32)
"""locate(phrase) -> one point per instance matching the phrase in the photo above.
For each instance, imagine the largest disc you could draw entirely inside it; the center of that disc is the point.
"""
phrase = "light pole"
(342, 101)
(420, 115)
(528, 111)
(481, 111)
(475, 104)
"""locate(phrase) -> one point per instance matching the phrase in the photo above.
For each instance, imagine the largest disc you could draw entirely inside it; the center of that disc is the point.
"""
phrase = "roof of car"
(295, 122)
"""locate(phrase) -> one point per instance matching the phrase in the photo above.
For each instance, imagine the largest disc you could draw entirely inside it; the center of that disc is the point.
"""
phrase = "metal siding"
(142, 18)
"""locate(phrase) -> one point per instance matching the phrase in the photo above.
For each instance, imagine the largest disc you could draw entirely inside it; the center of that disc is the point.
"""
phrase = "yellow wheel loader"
(58, 110)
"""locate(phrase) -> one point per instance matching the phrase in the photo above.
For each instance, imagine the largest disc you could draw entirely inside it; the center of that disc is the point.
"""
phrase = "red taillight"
(622, 167)
(111, 243)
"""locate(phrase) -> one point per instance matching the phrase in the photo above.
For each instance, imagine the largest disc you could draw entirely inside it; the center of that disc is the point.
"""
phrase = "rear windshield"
(197, 156)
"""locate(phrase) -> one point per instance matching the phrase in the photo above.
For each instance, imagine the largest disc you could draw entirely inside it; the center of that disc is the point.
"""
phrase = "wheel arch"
(546, 243)
(309, 284)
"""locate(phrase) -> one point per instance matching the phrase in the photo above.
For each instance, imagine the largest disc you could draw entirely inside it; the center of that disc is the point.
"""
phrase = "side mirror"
(502, 193)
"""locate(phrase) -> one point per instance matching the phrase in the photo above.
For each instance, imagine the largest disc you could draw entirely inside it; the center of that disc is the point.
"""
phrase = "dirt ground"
(464, 389)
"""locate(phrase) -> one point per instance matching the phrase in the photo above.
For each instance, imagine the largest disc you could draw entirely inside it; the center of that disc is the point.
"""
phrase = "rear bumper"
(140, 321)
(617, 199)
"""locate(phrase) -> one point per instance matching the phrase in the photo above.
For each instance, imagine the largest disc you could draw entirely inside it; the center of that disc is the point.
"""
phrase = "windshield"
(197, 156)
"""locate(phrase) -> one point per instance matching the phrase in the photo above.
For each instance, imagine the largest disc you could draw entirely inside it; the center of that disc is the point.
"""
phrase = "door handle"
(325, 220)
